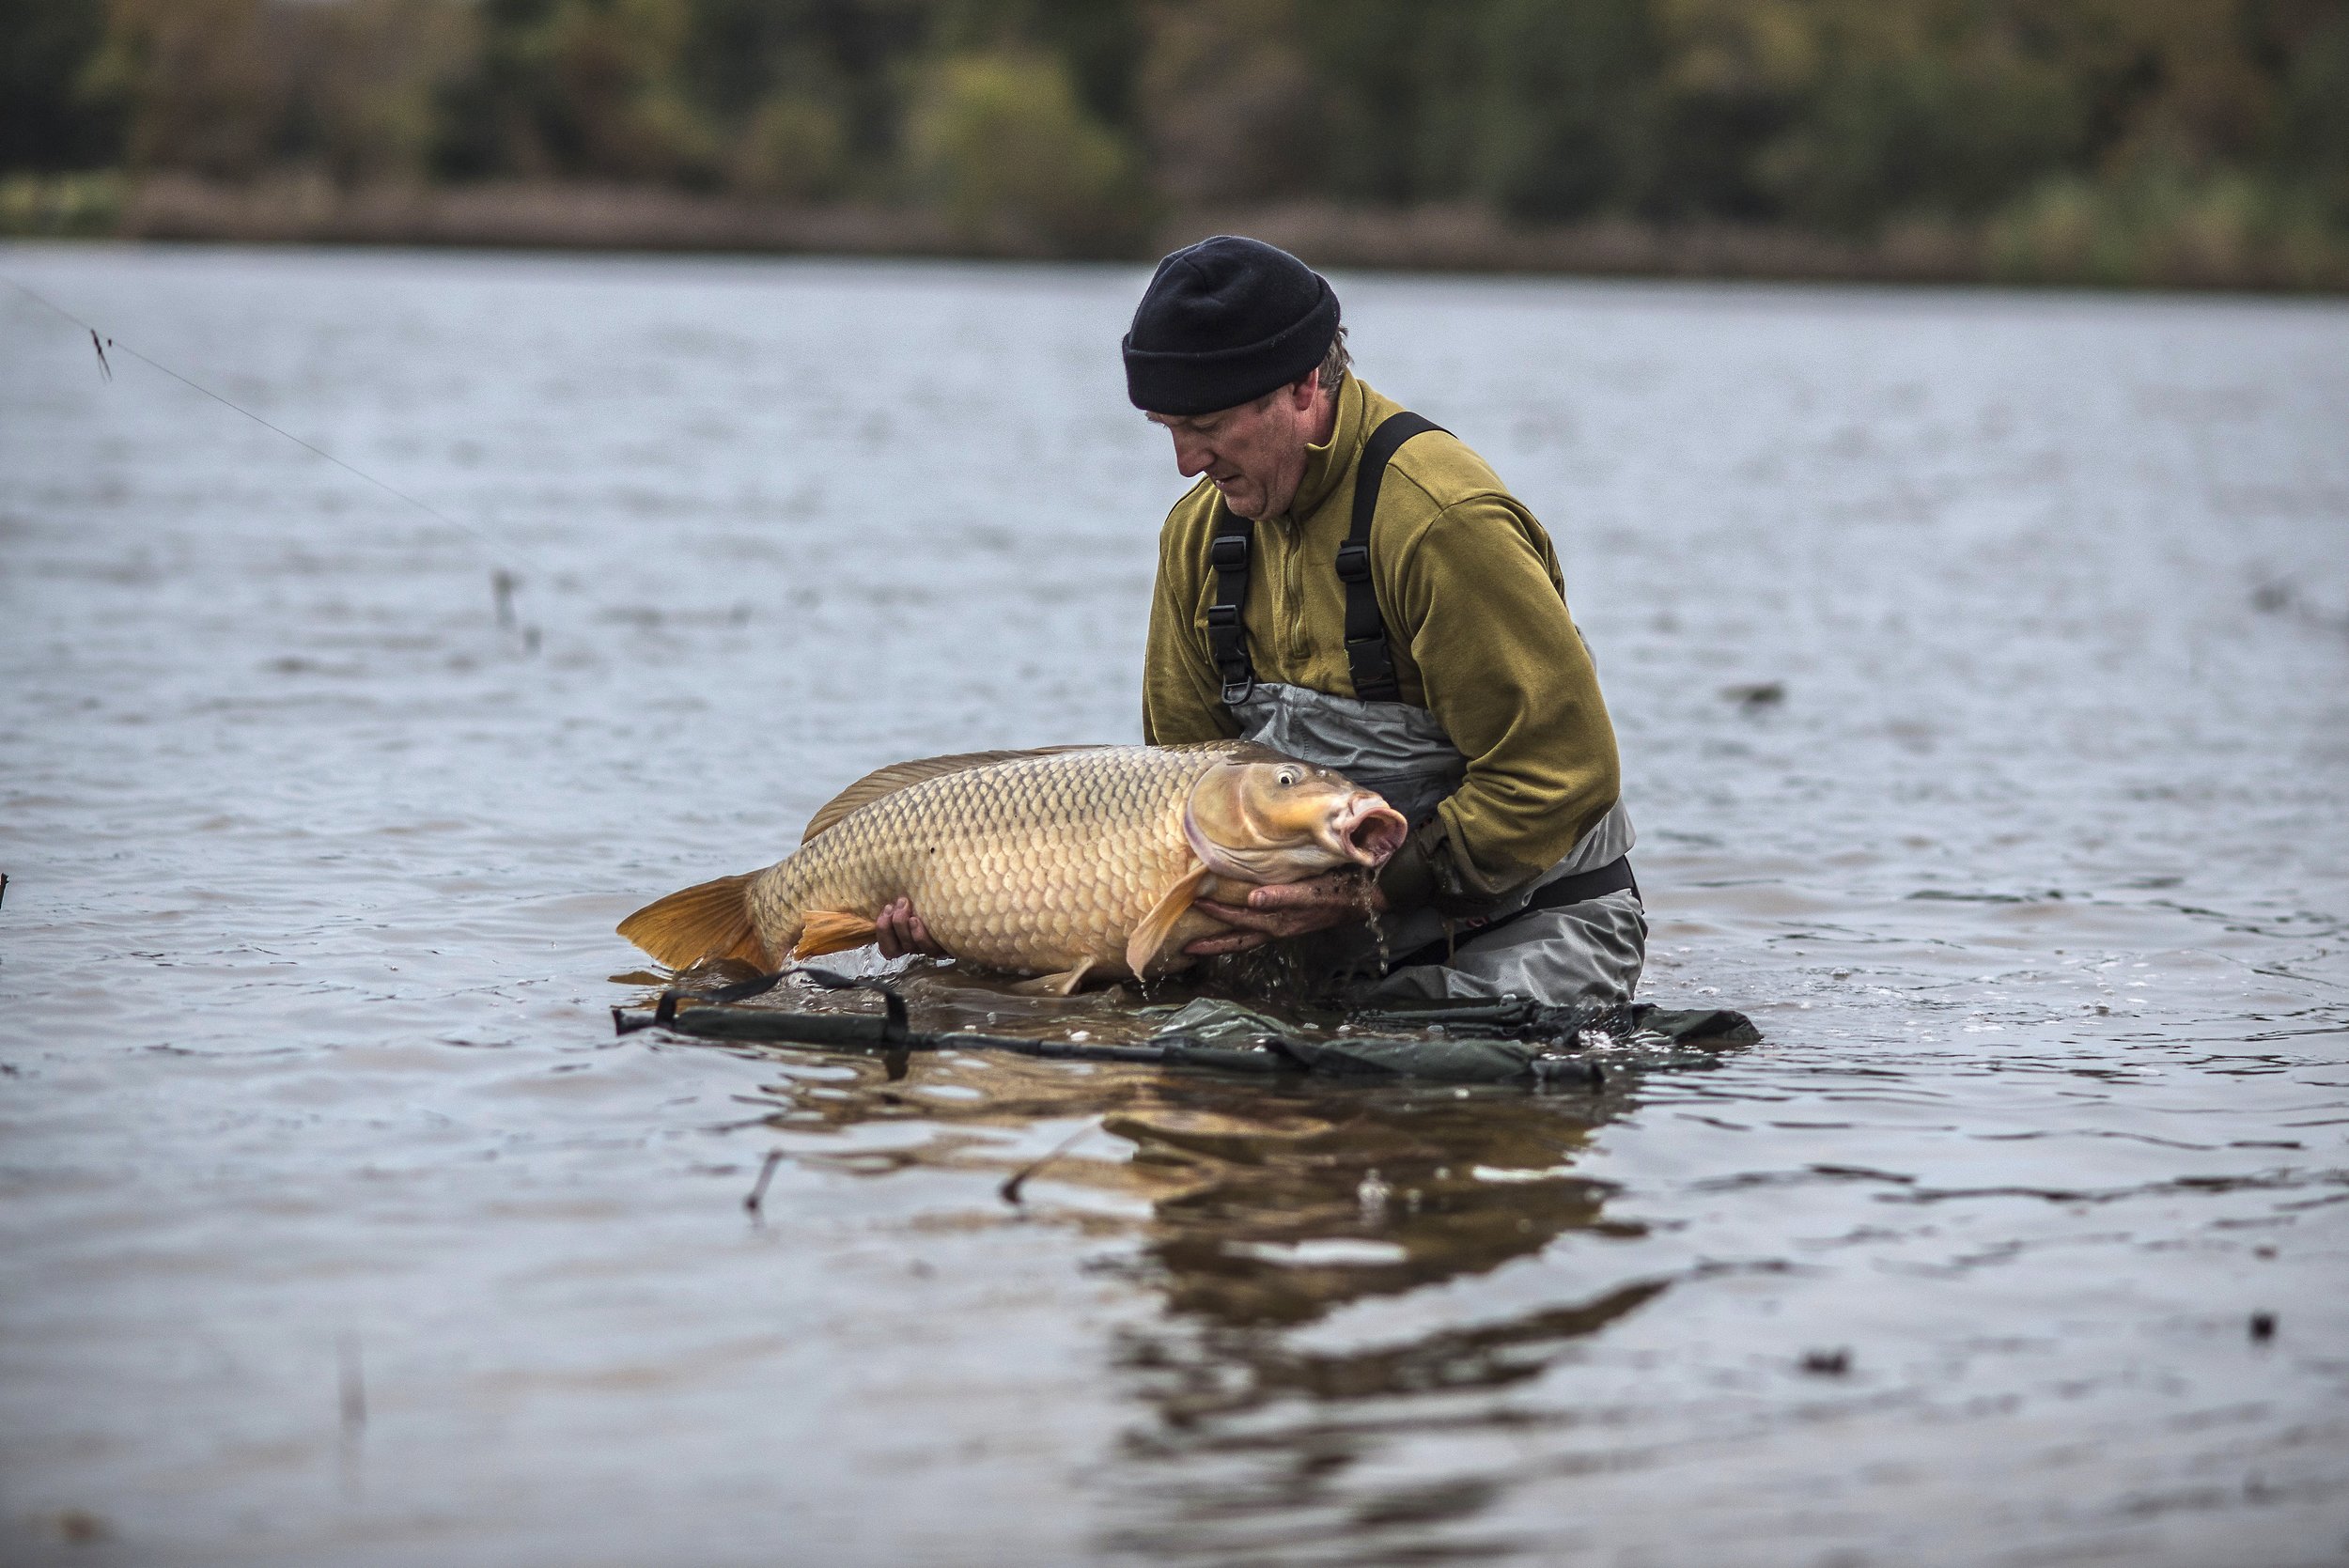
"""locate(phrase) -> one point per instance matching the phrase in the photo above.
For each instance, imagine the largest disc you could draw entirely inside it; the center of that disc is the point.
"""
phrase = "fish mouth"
(1369, 831)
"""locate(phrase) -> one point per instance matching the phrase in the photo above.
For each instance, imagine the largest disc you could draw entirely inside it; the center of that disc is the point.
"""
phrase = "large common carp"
(1070, 863)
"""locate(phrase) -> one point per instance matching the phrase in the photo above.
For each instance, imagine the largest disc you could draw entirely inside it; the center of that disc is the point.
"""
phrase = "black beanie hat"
(1224, 322)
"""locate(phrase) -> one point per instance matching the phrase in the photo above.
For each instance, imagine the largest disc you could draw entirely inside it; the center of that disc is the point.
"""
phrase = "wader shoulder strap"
(1234, 540)
(1366, 651)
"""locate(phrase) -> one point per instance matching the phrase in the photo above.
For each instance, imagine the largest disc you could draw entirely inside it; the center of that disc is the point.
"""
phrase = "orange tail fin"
(711, 920)
(831, 931)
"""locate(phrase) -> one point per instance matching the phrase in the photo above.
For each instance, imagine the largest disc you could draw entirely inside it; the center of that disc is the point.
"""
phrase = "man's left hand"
(1289, 909)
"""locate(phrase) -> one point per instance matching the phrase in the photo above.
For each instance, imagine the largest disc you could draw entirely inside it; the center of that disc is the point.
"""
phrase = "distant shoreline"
(1450, 239)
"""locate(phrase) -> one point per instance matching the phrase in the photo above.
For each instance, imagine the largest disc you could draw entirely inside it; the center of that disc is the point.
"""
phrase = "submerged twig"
(1010, 1189)
(353, 1388)
(766, 1175)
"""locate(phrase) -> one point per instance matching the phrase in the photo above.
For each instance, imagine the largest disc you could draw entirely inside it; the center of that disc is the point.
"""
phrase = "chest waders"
(1574, 933)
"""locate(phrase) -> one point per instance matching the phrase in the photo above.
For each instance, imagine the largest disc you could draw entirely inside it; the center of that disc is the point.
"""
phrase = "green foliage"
(1227, 100)
(1891, 135)
(1569, 97)
(2311, 136)
(582, 88)
(364, 80)
(233, 88)
(201, 92)
(49, 118)
(60, 206)
(793, 147)
(2103, 136)
(2166, 227)
(1002, 143)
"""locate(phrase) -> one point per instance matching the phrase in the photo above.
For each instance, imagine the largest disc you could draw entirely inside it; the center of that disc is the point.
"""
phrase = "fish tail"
(709, 921)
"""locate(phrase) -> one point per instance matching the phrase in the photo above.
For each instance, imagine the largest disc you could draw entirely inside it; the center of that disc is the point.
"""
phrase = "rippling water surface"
(339, 1227)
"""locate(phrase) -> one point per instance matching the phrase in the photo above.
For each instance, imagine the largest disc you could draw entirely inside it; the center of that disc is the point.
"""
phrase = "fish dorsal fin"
(1151, 933)
(900, 775)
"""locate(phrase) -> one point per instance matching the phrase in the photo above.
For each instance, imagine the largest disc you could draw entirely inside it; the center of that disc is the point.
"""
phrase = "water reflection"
(1260, 1208)
(1265, 1205)
(1289, 1210)
(1269, 1203)
(1255, 1444)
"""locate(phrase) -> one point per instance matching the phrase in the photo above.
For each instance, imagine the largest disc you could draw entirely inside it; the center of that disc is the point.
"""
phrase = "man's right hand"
(901, 931)
(1288, 910)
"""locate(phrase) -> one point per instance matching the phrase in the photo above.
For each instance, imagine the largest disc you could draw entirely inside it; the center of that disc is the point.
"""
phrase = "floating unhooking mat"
(1507, 1041)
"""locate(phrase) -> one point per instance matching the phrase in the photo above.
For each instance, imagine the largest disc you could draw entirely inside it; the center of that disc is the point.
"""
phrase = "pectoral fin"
(1150, 935)
(1061, 985)
(833, 931)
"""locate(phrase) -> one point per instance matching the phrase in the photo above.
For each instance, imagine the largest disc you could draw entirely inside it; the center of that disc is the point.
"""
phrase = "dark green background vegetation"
(2034, 128)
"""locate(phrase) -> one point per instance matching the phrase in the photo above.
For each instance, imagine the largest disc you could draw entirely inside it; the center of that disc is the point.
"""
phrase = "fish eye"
(1287, 777)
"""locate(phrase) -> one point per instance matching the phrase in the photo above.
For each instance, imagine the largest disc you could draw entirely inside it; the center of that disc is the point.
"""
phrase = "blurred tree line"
(1082, 123)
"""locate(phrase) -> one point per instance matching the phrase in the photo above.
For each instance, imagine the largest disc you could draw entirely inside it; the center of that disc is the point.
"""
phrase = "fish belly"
(1042, 897)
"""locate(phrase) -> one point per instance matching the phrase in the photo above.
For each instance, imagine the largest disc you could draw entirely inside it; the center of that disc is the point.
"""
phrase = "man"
(1386, 608)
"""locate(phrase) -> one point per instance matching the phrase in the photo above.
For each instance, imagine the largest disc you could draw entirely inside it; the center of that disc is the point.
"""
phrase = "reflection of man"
(1437, 665)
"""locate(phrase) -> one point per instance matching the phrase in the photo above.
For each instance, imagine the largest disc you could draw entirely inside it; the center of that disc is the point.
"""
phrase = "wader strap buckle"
(1228, 552)
(1368, 655)
(1372, 663)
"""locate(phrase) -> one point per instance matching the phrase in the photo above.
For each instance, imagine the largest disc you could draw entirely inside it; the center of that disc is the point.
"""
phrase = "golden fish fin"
(709, 921)
(1150, 935)
(899, 775)
(1061, 985)
(833, 931)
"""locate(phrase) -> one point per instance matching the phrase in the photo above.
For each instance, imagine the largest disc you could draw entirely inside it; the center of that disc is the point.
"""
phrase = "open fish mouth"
(1369, 831)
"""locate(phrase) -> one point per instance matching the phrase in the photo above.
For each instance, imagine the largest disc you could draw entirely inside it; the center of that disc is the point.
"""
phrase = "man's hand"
(901, 931)
(1289, 909)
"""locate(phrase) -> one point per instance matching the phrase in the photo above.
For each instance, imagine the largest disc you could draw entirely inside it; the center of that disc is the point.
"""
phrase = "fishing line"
(502, 579)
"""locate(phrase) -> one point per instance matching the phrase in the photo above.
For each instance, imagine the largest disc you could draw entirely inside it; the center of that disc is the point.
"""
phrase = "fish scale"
(1038, 864)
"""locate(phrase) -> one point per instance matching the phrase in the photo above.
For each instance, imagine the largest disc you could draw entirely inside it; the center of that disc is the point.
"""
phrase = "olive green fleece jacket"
(1476, 617)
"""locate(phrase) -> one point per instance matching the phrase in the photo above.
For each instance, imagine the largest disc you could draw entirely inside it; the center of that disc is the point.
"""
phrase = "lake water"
(340, 1228)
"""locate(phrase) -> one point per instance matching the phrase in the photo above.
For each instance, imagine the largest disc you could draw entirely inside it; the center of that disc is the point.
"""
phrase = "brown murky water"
(340, 1228)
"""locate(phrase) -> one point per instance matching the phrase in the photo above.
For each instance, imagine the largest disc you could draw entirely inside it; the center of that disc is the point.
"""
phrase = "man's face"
(1253, 453)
